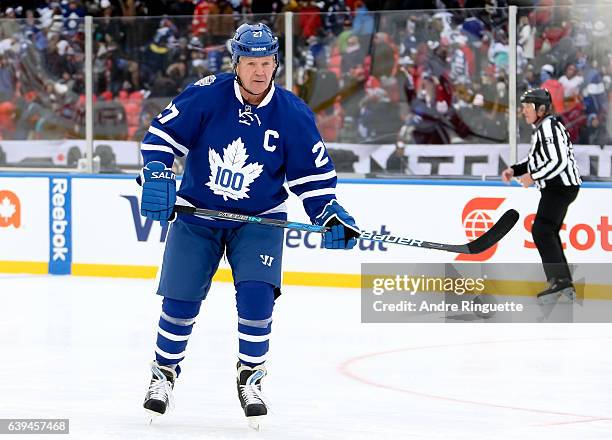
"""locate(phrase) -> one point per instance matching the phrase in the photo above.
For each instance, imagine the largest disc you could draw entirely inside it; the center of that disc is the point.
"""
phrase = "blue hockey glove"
(344, 231)
(158, 192)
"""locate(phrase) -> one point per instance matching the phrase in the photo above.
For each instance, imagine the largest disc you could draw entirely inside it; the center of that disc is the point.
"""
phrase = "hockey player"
(552, 167)
(242, 137)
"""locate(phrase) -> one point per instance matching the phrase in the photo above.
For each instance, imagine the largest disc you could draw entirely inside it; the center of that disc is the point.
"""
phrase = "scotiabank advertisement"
(24, 220)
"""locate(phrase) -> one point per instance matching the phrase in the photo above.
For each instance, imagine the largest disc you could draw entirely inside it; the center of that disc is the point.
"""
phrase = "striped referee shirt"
(551, 159)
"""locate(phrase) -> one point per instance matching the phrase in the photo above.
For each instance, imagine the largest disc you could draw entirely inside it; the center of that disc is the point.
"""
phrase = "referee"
(552, 167)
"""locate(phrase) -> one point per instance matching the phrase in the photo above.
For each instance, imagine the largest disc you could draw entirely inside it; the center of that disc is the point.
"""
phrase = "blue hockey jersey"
(238, 156)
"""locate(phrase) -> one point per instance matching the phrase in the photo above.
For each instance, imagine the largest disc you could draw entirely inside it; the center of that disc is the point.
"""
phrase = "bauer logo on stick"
(390, 239)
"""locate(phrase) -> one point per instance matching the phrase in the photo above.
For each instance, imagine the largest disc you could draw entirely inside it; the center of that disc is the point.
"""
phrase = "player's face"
(529, 112)
(256, 72)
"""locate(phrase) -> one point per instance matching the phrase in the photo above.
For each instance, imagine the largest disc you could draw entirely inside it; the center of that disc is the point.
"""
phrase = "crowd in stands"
(431, 76)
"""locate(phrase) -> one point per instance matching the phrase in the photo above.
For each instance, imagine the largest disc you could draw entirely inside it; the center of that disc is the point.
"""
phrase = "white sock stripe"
(252, 359)
(260, 323)
(172, 336)
(253, 338)
(170, 356)
(177, 321)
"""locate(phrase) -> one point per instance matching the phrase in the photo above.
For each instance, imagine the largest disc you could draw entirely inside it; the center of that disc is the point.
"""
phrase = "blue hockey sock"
(175, 326)
(254, 301)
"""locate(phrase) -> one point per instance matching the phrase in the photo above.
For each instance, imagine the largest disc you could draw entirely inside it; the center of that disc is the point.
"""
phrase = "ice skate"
(158, 399)
(560, 289)
(248, 383)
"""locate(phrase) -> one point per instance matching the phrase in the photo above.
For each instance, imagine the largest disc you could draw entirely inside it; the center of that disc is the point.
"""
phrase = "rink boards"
(90, 225)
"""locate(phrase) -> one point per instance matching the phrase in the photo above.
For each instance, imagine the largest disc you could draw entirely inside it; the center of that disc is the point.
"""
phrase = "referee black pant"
(554, 202)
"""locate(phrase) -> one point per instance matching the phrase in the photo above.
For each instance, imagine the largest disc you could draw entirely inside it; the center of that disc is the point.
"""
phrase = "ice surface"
(79, 348)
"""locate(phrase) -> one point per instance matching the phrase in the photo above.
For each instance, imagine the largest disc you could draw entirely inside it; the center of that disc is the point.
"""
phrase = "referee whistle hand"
(507, 175)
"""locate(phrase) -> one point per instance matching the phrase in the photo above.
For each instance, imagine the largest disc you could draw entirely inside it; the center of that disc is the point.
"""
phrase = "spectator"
(428, 124)
(9, 27)
(336, 14)
(108, 30)
(199, 24)
(526, 38)
(342, 40)
(409, 44)
(530, 80)
(354, 56)
(221, 23)
(7, 79)
(321, 87)
(353, 91)
(594, 133)
(316, 52)
(309, 19)
(329, 121)
(407, 78)
(459, 64)
(7, 120)
(498, 52)
(384, 56)
(595, 96)
(474, 28)
(572, 83)
(574, 120)
(363, 23)
(379, 120)
(74, 13)
(157, 54)
(554, 87)
(279, 24)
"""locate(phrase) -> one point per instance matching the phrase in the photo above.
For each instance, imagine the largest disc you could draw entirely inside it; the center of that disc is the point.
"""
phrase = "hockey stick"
(481, 244)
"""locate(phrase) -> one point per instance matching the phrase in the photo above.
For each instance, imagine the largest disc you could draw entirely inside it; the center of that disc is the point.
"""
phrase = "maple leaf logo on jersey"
(230, 177)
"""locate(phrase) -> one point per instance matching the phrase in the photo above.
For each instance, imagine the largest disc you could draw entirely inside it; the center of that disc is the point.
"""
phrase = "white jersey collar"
(268, 97)
(263, 103)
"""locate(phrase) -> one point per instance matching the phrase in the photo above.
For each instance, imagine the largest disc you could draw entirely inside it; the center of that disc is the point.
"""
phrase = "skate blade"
(548, 299)
(151, 415)
(255, 422)
(567, 295)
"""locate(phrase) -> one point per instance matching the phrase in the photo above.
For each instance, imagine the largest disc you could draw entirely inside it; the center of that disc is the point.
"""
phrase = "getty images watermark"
(472, 292)
(460, 286)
